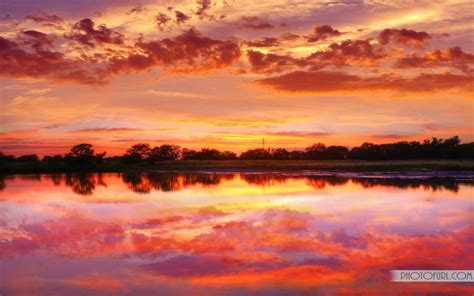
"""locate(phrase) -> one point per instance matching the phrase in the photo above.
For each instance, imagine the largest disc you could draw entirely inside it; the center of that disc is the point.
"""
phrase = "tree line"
(434, 148)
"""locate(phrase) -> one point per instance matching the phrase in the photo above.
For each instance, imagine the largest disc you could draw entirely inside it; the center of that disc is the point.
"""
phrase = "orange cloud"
(264, 42)
(322, 33)
(254, 23)
(18, 62)
(329, 81)
(85, 33)
(181, 18)
(348, 52)
(270, 63)
(453, 57)
(189, 51)
(403, 36)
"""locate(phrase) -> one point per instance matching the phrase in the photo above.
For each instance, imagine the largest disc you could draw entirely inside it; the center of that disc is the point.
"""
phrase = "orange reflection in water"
(237, 234)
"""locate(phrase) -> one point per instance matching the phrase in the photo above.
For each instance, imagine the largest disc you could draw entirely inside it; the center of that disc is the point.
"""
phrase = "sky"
(225, 74)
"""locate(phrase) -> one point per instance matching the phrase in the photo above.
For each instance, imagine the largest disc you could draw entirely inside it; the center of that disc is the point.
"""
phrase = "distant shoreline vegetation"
(143, 156)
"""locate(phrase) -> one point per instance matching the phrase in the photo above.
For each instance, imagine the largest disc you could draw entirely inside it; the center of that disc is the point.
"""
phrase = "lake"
(231, 233)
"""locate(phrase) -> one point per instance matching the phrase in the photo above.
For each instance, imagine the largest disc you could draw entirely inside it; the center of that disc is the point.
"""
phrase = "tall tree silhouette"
(138, 153)
(83, 155)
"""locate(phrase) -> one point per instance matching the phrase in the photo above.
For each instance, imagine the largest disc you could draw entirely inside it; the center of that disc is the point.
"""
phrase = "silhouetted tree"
(448, 147)
(56, 159)
(256, 154)
(280, 154)
(297, 155)
(336, 152)
(28, 158)
(188, 154)
(207, 154)
(165, 152)
(137, 153)
(83, 155)
(6, 158)
(315, 151)
(465, 151)
(365, 151)
(228, 155)
(434, 148)
(113, 158)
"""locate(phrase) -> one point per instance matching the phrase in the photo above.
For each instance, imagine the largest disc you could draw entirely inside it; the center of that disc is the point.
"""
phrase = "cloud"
(328, 81)
(180, 17)
(389, 136)
(191, 265)
(301, 134)
(18, 62)
(322, 33)
(403, 36)
(157, 222)
(161, 20)
(113, 129)
(46, 20)
(264, 42)
(452, 57)
(117, 129)
(37, 54)
(203, 8)
(254, 23)
(85, 33)
(137, 9)
(290, 36)
(189, 51)
(270, 63)
(37, 40)
(348, 52)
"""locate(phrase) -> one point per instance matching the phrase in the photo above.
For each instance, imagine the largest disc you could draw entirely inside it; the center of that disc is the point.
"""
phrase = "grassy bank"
(246, 165)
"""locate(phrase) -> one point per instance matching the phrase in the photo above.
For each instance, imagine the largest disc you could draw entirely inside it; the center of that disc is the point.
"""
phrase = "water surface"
(231, 234)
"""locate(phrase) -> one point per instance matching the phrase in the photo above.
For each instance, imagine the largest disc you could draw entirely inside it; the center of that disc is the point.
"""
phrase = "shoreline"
(311, 166)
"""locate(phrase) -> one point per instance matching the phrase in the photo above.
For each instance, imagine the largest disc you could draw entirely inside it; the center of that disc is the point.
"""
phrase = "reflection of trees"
(264, 179)
(433, 184)
(174, 181)
(165, 182)
(84, 184)
(32, 177)
(205, 179)
(57, 179)
(321, 182)
(4, 179)
(145, 182)
(137, 182)
(2, 182)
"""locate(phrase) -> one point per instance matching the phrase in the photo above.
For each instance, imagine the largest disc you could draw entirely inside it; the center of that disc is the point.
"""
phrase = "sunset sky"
(225, 74)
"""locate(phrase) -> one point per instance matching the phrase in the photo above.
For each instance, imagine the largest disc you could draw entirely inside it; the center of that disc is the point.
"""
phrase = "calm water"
(230, 234)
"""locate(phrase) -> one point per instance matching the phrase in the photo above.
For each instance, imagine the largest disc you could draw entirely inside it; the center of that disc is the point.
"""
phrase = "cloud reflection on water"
(214, 234)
